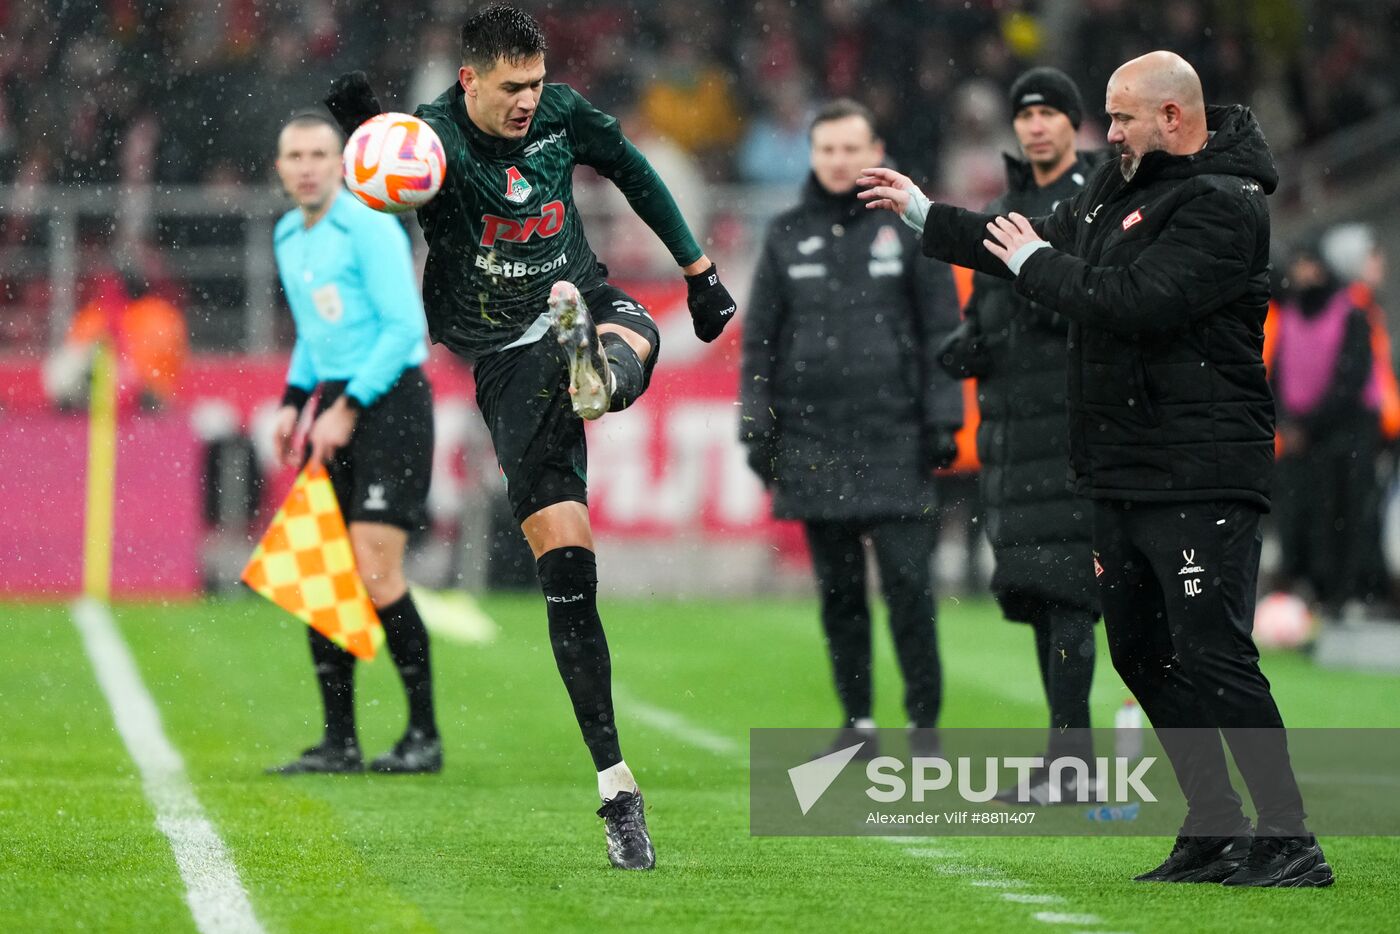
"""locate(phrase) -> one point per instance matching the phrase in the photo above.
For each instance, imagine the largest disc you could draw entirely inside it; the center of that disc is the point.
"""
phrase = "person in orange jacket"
(147, 332)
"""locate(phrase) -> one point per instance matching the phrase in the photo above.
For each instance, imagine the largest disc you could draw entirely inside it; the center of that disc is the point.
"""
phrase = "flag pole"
(101, 477)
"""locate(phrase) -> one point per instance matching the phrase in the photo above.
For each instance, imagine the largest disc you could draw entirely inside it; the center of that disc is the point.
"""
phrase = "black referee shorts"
(523, 395)
(382, 475)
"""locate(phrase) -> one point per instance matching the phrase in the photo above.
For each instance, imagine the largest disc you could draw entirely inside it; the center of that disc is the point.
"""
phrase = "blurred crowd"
(182, 91)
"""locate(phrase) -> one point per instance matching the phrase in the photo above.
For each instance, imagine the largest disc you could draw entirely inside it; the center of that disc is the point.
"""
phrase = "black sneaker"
(1202, 859)
(590, 381)
(924, 743)
(625, 823)
(414, 753)
(1284, 862)
(1041, 792)
(327, 758)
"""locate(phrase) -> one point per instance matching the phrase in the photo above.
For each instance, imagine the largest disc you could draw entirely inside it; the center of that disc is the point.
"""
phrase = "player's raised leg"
(562, 540)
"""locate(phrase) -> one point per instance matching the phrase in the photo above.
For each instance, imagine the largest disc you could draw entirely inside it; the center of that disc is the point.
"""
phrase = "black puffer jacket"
(1039, 531)
(840, 381)
(1165, 279)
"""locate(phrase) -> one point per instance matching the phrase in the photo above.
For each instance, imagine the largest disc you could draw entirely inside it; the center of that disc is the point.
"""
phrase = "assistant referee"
(348, 275)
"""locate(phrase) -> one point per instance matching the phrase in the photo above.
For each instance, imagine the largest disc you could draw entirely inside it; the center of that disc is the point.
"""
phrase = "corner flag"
(305, 565)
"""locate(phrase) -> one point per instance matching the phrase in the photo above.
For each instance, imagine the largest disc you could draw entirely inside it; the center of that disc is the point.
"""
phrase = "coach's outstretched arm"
(952, 234)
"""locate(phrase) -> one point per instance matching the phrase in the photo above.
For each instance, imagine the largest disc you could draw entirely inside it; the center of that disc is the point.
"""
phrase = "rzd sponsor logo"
(545, 225)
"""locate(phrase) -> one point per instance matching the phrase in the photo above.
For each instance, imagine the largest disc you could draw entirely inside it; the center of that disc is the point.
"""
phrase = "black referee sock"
(569, 579)
(408, 645)
(629, 376)
(335, 673)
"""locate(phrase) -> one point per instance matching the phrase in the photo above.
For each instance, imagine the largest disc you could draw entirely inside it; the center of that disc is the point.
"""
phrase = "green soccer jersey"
(504, 227)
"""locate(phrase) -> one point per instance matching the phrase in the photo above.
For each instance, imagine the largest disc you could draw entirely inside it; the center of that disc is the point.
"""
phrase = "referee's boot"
(327, 758)
(625, 825)
(590, 381)
(416, 753)
(1284, 862)
(1203, 859)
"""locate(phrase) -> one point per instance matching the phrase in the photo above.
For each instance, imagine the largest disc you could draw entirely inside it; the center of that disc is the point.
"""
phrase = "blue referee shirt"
(350, 284)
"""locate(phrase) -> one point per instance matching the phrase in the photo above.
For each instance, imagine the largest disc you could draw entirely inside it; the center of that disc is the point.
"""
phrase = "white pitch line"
(1032, 898)
(1059, 917)
(213, 890)
(671, 722)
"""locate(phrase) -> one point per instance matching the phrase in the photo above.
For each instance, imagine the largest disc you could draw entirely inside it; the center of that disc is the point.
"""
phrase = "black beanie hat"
(1051, 87)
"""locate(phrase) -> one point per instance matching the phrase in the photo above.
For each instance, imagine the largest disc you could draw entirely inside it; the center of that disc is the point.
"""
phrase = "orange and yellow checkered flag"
(305, 565)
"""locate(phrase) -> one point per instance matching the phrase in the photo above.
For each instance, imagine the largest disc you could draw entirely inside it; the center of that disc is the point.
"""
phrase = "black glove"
(710, 305)
(763, 459)
(963, 354)
(940, 448)
(351, 101)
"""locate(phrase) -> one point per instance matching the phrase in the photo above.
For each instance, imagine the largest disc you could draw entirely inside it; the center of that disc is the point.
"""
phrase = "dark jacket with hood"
(841, 395)
(1039, 531)
(1165, 281)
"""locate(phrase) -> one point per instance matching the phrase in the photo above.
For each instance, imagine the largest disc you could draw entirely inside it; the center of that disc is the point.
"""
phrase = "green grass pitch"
(505, 838)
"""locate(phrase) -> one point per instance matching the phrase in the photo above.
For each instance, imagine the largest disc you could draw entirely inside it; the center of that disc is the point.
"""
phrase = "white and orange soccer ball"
(1283, 621)
(394, 163)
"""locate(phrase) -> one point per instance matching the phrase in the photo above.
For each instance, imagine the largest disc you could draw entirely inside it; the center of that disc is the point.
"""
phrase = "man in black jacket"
(1040, 531)
(1161, 264)
(845, 415)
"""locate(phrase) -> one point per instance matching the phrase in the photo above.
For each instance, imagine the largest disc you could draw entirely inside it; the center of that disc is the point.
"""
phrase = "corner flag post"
(101, 477)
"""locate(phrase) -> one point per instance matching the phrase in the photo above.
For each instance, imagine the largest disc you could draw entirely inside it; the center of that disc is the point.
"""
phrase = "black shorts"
(523, 395)
(382, 475)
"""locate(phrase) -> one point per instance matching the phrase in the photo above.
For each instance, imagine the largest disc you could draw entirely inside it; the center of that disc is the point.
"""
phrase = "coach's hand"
(763, 459)
(711, 306)
(351, 101)
(332, 430)
(284, 431)
(888, 190)
(1012, 240)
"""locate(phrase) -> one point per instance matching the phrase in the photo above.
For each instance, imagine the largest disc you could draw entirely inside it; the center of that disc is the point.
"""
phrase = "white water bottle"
(1127, 731)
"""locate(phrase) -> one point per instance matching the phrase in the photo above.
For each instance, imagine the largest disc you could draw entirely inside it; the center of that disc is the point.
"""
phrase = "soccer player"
(348, 275)
(512, 285)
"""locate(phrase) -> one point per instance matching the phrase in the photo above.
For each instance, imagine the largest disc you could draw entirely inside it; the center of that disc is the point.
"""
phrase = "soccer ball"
(1282, 621)
(394, 163)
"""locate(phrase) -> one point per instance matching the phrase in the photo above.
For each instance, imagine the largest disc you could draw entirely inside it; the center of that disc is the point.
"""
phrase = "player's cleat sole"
(590, 382)
(415, 754)
(1202, 859)
(1283, 862)
(625, 825)
(325, 759)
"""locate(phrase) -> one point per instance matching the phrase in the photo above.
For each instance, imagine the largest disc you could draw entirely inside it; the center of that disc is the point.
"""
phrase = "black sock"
(335, 673)
(569, 578)
(408, 644)
(629, 375)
